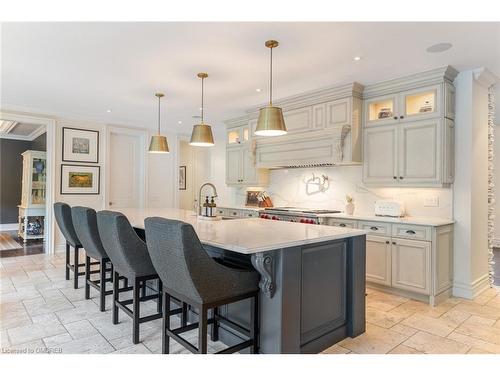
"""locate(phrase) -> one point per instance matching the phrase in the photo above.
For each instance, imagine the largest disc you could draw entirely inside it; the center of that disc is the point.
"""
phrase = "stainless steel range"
(294, 214)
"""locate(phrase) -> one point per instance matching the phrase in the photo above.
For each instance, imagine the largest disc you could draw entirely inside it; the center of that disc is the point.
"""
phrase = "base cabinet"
(378, 259)
(411, 265)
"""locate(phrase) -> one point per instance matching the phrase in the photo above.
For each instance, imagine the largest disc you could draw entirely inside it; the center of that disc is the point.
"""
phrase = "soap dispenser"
(212, 206)
(206, 204)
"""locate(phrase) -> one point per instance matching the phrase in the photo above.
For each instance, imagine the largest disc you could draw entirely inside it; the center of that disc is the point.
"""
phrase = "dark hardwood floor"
(31, 247)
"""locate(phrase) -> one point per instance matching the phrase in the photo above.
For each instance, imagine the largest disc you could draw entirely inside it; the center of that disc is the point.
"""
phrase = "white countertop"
(429, 221)
(246, 236)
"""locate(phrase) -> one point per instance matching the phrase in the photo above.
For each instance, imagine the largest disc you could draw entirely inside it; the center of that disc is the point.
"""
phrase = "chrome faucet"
(200, 206)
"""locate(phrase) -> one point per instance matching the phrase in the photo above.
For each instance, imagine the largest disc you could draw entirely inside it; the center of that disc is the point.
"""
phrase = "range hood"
(322, 148)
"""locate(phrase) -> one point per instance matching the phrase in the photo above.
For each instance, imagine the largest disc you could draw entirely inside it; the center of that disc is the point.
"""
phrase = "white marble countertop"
(429, 221)
(246, 236)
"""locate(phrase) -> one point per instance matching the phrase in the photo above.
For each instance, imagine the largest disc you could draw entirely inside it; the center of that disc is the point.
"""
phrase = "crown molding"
(484, 77)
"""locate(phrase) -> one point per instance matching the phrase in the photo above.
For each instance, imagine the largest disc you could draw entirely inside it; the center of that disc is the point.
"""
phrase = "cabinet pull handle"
(374, 228)
(387, 242)
(401, 117)
(395, 117)
(394, 177)
(400, 177)
(410, 232)
(341, 225)
(394, 243)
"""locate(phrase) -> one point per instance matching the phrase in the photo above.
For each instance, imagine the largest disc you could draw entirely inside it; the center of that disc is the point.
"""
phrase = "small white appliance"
(389, 208)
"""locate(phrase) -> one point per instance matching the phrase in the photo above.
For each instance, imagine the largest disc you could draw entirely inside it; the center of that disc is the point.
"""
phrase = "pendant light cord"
(202, 106)
(159, 99)
(271, 79)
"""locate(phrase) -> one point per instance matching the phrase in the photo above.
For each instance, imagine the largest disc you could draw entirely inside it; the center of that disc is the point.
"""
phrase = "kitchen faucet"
(199, 195)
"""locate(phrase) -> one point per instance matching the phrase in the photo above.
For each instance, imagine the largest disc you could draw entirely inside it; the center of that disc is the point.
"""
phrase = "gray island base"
(312, 296)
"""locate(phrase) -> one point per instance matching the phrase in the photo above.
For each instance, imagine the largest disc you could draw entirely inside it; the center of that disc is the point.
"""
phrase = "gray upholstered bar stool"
(130, 258)
(85, 222)
(62, 212)
(192, 276)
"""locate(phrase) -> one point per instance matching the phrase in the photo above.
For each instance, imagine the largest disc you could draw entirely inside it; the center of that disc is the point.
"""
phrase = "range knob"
(274, 217)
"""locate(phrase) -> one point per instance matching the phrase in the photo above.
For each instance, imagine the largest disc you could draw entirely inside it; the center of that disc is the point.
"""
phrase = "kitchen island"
(312, 277)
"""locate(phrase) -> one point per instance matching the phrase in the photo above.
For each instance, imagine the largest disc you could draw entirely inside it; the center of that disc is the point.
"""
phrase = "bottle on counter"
(212, 206)
(206, 205)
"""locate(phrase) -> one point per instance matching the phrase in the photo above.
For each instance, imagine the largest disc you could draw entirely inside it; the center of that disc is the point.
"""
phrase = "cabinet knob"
(341, 225)
(394, 177)
(401, 117)
(387, 242)
(395, 117)
(410, 232)
(400, 177)
(394, 243)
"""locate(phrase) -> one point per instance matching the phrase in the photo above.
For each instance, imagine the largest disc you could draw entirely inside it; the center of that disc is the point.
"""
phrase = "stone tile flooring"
(41, 312)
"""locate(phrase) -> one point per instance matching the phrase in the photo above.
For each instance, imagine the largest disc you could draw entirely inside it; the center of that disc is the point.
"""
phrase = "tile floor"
(40, 312)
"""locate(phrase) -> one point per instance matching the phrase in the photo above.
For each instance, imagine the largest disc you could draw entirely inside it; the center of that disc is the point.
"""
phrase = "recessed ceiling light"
(201, 108)
(357, 58)
(179, 122)
(440, 47)
(258, 90)
(108, 110)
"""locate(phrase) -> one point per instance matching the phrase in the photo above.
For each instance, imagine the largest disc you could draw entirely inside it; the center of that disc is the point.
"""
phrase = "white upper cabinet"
(381, 155)
(338, 113)
(241, 169)
(238, 135)
(408, 128)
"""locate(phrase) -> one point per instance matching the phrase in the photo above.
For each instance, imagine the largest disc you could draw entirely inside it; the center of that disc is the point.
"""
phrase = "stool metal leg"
(116, 287)
(160, 296)
(254, 324)
(135, 310)
(67, 260)
(202, 331)
(87, 277)
(102, 284)
(76, 269)
(165, 338)
(214, 329)
(184, 314)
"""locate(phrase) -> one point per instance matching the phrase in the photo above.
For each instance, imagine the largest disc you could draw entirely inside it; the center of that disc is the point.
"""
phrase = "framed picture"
(80, 145)
(80, 179)
(182, 177)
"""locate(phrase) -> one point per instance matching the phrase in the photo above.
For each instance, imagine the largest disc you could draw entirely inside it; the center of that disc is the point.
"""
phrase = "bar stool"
(85, 223)
(62, 212)
(130, 258)
(192, 276)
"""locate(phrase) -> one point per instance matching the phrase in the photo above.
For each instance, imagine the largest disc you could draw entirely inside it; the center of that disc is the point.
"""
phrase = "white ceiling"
(84, 69)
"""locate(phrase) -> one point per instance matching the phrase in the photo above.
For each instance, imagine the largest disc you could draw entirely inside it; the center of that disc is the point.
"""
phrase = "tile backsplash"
(288, 187)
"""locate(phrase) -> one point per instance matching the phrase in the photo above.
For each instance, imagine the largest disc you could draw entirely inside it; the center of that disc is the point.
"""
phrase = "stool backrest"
(180, 260)
(85, 222)
(62, 212)
(127, 251)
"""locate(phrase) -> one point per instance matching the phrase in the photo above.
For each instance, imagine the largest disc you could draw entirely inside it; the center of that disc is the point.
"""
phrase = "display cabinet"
(32, 207)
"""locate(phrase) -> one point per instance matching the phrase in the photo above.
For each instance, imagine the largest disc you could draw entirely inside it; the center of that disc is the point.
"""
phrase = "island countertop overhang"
(245, 236)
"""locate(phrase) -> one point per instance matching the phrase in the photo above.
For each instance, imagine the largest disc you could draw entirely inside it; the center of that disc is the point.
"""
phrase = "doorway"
(26, 184)
(194, 170)
(126, 175)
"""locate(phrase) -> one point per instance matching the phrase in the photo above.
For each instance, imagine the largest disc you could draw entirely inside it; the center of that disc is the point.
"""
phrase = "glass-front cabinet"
(34, 184)
(412, 105)
(239, 135)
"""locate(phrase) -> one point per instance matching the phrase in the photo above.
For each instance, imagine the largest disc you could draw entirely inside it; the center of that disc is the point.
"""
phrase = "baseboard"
(470, 291)
(8, 227)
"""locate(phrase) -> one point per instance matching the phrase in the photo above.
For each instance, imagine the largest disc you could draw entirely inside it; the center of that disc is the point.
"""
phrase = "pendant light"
(202, 133)
(158, 144)
(271, 122)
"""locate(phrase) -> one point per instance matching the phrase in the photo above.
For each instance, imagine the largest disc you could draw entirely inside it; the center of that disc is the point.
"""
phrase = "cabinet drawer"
(374, 227)
(343, 223)
(221, 211)
(417, 232)
(234, 213)
(250, 214)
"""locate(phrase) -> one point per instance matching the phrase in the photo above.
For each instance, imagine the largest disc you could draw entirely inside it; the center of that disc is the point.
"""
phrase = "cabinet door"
(411, 265)
(378, 259)
(319, 116)
(419, 152)
(233, 165)
(380, 155)
(338, 113)
(248, 170)
(381, 110)
(236, 136)
(448, 151)
(422, 103)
